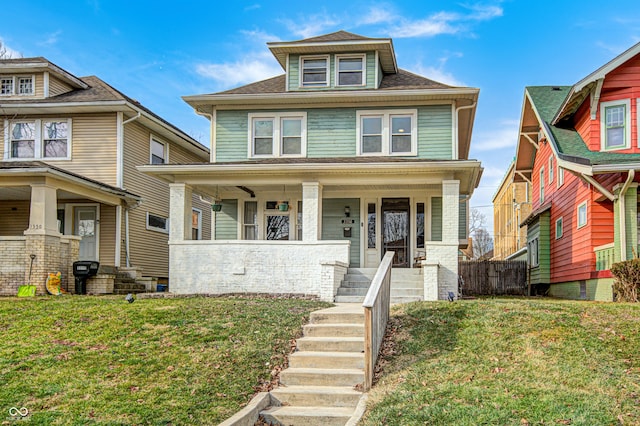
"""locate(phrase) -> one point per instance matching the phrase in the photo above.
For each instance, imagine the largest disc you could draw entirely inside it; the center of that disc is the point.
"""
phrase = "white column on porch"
(179, 212)
(450, 210)
(43, 213)
(311, 211)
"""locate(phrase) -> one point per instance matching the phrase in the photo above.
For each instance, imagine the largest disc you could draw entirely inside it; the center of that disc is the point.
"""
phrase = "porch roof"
(22, 173)
(348, 172)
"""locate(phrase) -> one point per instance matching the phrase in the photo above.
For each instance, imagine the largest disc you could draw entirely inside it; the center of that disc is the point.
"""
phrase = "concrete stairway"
(407, 285)
(125, 284)
(318, 386)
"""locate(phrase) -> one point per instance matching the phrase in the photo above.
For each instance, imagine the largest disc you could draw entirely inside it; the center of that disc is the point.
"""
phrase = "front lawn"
(84, 359)
(510, 362)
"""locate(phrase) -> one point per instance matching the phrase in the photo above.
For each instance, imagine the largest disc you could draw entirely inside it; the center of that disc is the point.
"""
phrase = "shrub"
(626, 286)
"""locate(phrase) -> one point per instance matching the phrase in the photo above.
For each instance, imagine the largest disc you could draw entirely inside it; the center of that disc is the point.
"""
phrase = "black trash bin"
(82, 270)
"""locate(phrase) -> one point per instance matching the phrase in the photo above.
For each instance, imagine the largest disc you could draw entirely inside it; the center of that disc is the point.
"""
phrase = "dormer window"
(16, 85)
(314, 71)
(350, 70)
(6, 86)
(615, 125)
(25, 85)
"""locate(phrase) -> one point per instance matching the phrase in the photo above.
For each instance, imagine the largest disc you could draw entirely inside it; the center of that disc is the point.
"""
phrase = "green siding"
(232, 135)
(462, 218)
(542, 229)
(597, 289)
(631, 208)
(227, 221)
(332, 226)
(436, 218)
(331, 133)
(434, 132)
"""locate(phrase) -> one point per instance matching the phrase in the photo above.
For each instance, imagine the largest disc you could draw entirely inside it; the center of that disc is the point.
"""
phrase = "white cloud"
(259, 37)
(312, 26)
(252, 7)
(248, 69)
(504, 135)
(377, 15)
(8, 52)
(51, 38)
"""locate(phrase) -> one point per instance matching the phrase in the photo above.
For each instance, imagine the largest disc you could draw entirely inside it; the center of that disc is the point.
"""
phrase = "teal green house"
(343, 157)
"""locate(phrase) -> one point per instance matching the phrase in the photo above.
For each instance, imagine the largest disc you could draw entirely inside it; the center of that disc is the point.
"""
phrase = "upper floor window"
(582, 214)
(20, 85)
(159, 152)
(551, 170)
(560, 176)
(541, 185)
(314, 71)
(615, 125)
(388, 132)
(34, 139)
(278, 134)
(350, 70)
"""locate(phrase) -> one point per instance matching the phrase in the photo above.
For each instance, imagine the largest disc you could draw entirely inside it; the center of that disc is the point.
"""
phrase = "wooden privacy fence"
(493, 277)
(376, 315)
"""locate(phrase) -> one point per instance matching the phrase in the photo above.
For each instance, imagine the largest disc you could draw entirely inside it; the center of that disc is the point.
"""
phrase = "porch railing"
(604, 257)
(376, 315)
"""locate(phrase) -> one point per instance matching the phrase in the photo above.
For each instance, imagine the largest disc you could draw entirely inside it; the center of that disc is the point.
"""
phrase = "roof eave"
(38, 65)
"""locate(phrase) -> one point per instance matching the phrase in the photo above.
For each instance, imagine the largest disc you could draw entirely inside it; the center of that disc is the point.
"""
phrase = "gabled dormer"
(336, 61)
(35, 78)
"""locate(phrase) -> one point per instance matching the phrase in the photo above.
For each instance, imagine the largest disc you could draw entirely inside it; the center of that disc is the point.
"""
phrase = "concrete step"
(321, 377)
(310, 359)
(349, 299)
(355, 284)
(352, 291)
(331, 344)
(357, 278)
(308, 416)
(332, 396)
(341, 314)
(333, 330)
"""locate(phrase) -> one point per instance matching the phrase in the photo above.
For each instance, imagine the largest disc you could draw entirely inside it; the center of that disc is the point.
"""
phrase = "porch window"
(299, 221)
(615, 125)
(371, 225)
(350, 70)
(157, 223)
(250, 220)
(196, 224)
(314, 71)
(277, 227)
(23, 139)
(278, 135)
(420, 225)
(387, 132)
(55, 136)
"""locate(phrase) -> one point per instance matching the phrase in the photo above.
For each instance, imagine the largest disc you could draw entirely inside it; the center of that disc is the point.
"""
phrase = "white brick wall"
(446, 257)
(219, 267)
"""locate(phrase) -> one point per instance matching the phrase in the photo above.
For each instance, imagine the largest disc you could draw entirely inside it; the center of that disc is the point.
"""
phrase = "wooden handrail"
(376, 306)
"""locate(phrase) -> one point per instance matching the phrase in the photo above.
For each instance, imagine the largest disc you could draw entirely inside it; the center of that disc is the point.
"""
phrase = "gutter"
(457, 115)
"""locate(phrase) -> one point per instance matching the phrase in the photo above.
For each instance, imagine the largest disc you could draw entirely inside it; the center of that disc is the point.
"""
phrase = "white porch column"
(43, 214)
(450, 210)
(179, 212)
(311, 211)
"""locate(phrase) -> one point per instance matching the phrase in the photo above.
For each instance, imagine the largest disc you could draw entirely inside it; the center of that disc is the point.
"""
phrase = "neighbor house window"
(582, 214)
(551, 170)
(6, 86)
(533, 253)
(420, 225)
(387, 132)
(159, 152)
(278, 135)
(25, 85)
(196, 224)
(541, 186)
(36, 139)
(157, 223)
(350, 70)
(559, 228)
(314, 71)
(615, 125)
(560, 176)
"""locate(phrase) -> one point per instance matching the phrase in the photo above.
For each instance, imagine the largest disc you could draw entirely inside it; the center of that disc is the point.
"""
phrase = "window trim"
(165, 151)
(586, 219)
(363, 81)
(327, 77)
(627, 124)
(38, 145)
(276, 149)
(559, 222)
(386, 115)
(534, 262)
(155, 228)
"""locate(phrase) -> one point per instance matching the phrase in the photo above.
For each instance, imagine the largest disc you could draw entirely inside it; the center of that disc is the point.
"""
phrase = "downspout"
(126, 232)
(623, 224)
(121, 185)
(457, 142)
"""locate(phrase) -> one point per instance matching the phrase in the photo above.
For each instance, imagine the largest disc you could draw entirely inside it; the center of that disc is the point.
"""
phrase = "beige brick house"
(69, 187)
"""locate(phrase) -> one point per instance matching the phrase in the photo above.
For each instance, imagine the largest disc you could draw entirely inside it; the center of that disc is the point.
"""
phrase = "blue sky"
(156, 52)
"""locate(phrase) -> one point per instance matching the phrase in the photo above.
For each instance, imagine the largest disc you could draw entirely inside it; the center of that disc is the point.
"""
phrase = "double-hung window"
(16, 85)
(388, 132)
(278, 134)
(6, 86)
(615, 125)
(350, 70)
(35, 139)
(541, 185)
(25, 85)
(159, 151)
(582, 214)
(314, 71)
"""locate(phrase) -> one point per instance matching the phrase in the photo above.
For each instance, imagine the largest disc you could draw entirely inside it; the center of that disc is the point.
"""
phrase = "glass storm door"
(85, 226)
(395, 230)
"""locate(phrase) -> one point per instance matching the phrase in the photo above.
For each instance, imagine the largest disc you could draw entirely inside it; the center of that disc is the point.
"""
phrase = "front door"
(86, 226)
(395, 230)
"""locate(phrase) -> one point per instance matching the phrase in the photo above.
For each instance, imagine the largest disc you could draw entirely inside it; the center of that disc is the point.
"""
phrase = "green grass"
(99, 360)
(511, 362)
